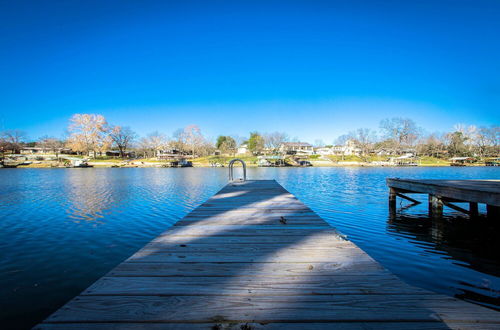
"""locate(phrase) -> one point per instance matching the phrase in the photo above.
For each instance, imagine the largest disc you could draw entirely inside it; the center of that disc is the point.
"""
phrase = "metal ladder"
(231, 164)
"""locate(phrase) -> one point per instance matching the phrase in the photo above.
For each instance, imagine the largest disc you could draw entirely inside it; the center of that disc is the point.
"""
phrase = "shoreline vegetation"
(251, 161)
(93, 142)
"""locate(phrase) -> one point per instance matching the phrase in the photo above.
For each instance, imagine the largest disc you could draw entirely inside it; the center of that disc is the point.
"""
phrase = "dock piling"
(436, 204)
(473, 209)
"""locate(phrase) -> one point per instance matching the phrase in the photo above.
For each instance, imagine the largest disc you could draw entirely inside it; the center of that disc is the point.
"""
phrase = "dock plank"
(257, 285)
(263, 309)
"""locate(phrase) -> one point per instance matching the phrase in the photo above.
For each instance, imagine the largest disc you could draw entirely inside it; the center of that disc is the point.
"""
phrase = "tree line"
(91, 134)
(402, 135)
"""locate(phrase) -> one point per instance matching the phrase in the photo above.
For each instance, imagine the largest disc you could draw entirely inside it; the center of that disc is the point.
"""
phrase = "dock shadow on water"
(255, 256)
(463, 241)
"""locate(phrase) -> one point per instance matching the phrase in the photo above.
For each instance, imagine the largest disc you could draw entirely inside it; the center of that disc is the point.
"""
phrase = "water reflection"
(469, 243)
(90, 193)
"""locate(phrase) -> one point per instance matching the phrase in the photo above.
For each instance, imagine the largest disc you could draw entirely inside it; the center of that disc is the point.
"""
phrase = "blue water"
(61, 229)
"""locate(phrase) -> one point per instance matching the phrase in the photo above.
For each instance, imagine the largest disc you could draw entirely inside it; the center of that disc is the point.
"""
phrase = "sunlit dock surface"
(254, 257)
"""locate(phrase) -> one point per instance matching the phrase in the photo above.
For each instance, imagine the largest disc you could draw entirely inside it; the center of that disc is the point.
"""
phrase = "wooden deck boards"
(254, 255)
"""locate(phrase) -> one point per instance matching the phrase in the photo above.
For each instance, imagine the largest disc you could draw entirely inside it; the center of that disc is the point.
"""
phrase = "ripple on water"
(62, 229)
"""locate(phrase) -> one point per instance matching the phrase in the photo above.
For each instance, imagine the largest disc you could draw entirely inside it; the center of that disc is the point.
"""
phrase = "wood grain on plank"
(262, 284)
(308, 308)
(353, 267)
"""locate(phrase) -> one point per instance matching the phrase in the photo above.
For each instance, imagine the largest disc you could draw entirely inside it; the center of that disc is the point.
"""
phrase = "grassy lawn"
(205, 161)
(432, 161)
(252, 160)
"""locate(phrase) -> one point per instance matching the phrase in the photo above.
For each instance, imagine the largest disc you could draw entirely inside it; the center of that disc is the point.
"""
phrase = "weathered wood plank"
(436, 325)
(313, 308)
(229, 257)
(237, 246)
(251, 286)
(320, 238)
(248, 222)
(248, 231)
(346, 267)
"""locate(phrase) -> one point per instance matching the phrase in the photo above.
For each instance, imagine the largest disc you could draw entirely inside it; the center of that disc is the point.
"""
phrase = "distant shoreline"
(157, 165)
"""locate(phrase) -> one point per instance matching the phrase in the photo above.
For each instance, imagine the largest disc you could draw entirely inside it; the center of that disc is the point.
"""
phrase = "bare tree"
(89, 134)
(491, 136)
(12, 140)
(318, 143)
(341, 141)
(432, 145)
(150, 144)
(364, 139)
(193, 138)
(122, 137)
(403, 131)
(190, 139)
(50, 143)
(274, 140)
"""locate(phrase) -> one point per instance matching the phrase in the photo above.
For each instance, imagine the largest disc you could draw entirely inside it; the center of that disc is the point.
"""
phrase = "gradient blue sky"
(314, 69)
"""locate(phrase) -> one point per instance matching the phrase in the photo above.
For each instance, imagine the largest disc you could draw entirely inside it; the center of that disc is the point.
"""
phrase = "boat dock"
(446, 192)
(254, 257)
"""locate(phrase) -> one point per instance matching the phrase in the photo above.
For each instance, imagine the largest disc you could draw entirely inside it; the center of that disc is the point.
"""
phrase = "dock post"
(492, 211)
(473, 209)
(392, 197)
(392, 202)
(435, 206)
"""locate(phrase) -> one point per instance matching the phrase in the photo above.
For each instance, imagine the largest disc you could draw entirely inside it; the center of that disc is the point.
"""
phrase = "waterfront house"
(40, 150)
(169, 154)
(296, 148)
(325, 151)
(461, 161)
(116, 153)
(348, 149)
(408, 159)
(242, 149)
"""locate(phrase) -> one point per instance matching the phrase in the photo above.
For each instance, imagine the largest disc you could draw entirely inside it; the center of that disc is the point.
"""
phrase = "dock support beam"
(435, 206)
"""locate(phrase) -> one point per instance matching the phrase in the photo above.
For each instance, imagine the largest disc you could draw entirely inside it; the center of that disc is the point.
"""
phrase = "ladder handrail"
(231, 164)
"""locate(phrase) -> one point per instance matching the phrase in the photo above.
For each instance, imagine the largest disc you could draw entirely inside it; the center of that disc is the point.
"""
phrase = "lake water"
(61, 229)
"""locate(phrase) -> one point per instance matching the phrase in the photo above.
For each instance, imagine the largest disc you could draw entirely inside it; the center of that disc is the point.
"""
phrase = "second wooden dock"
(446, 192)
(254, 257)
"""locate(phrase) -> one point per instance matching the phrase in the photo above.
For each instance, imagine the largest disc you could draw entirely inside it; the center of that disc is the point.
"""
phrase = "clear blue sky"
(314, 69)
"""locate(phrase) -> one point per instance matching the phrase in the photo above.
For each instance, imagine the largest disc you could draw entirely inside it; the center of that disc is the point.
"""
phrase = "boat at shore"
(11, 163)
(78, 163)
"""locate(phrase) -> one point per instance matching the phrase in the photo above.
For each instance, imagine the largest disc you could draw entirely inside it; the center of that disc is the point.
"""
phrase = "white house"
(324, 151)
(167, 154)
(298, 148)
(348, 149)
(242, 149)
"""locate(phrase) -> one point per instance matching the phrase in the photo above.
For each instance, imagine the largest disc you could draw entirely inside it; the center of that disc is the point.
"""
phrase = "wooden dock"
(254, 257)
(446, 192)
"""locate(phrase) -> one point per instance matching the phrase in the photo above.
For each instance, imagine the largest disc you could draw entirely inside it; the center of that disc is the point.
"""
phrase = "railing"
(231, 164)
